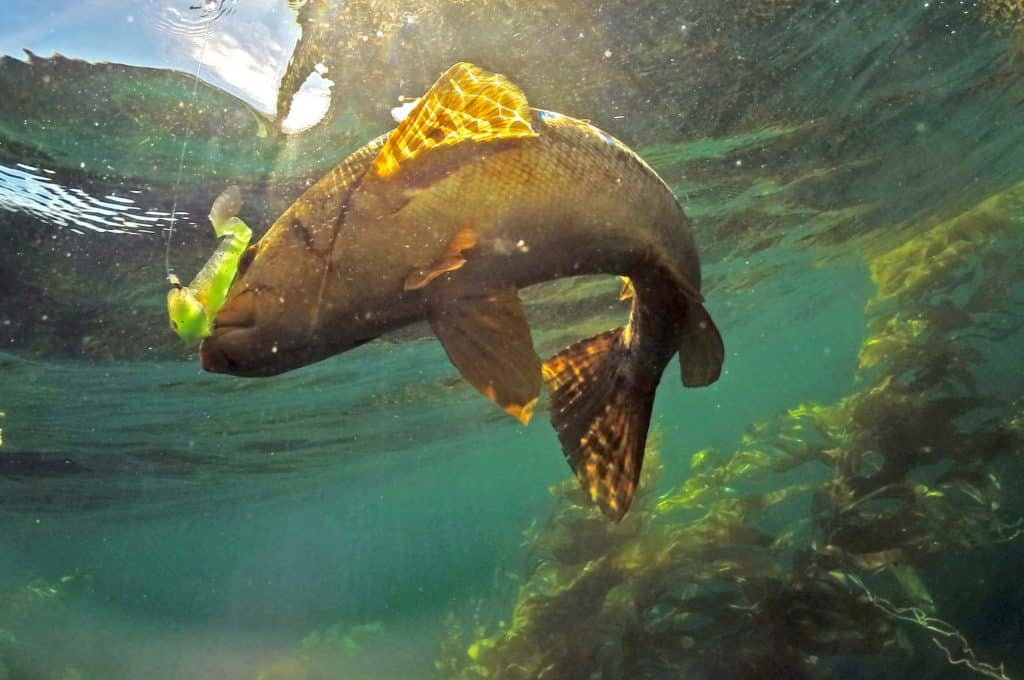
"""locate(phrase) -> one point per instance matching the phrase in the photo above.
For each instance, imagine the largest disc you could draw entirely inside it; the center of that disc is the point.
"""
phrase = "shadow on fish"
(473, 196)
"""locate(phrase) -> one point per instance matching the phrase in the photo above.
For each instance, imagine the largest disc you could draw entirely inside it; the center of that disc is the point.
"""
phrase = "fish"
(471, 198)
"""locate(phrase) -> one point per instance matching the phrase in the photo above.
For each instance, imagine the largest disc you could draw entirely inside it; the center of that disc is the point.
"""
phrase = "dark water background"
(854, 172)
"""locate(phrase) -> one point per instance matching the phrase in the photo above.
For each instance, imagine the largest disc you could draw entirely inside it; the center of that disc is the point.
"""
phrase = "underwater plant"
(334, 650)
(1008, 14)
(808, 549)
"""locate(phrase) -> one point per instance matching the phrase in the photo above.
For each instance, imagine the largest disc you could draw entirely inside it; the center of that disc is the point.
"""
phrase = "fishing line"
(171, 277)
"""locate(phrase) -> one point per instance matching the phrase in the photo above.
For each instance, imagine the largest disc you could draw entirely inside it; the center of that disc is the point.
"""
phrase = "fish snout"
(232, 346)
(235, 350)
(251, 336)
(228, 348)
(215, 358)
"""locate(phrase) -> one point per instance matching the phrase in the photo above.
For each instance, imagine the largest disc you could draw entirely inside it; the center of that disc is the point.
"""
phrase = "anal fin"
(487, 338)
(701, 351)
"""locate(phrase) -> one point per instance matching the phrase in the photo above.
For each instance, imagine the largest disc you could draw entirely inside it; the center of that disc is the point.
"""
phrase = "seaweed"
(810, 546)
(1005, 14)
(353, 650)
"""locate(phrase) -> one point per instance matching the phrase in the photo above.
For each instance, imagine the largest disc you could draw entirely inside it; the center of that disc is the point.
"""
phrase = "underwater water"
(844, 502)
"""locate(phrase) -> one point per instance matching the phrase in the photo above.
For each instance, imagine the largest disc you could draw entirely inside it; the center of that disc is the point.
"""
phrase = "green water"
(855, 174)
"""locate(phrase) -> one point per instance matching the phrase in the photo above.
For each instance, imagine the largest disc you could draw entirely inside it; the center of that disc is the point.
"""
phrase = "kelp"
(1004, 14)
(323, 651)
(652, 598)
(808, 548)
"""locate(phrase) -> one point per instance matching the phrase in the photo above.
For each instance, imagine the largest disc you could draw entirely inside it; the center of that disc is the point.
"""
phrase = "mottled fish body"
(472, 197)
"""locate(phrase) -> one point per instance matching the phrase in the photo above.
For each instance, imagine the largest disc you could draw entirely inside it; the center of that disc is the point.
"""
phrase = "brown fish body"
(397, 234)
(571, 201)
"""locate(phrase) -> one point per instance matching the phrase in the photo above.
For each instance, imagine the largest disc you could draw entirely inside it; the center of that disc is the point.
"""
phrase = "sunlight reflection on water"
(28, 189)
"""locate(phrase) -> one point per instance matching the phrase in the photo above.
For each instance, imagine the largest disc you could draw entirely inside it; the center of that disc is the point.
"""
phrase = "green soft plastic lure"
(192, 308)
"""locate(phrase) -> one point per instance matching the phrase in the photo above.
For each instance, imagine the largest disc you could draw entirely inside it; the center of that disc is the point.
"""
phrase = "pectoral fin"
(451, 259)
(487, 338)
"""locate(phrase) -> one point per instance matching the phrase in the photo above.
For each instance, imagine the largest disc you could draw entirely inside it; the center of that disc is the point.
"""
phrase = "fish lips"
(249, 352)
(241, 346)
(228, 350)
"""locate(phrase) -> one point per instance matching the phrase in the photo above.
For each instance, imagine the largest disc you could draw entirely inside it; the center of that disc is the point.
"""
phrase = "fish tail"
(602, 388)
(601, 404)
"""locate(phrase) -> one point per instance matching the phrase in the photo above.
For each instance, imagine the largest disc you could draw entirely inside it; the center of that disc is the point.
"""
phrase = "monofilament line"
(171, 278)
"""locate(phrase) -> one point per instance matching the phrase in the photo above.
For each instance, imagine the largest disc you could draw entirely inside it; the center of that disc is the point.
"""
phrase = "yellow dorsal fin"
(465, 104)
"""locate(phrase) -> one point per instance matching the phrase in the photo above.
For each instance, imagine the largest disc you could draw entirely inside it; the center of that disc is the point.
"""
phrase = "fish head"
(271, 319)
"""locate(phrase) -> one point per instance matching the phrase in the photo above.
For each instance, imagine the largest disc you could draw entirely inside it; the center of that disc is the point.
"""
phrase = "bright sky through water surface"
(246, 50)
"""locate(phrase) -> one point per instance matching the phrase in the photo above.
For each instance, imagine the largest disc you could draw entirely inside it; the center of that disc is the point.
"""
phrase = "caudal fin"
(601, 409)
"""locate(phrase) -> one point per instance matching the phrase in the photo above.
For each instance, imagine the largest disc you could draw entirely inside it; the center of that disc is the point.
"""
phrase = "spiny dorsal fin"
(465, 104)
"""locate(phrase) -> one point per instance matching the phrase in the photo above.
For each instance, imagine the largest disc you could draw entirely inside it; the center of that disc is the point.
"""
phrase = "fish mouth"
(215, 360)
(229, 350)
(235, 347)
(254, 336)
(250, 352)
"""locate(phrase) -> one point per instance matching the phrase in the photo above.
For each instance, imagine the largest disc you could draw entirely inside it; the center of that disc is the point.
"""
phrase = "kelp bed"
(831, 542)
(807, 551)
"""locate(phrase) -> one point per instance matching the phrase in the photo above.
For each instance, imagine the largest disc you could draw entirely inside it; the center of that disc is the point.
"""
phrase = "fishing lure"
(192, 308)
